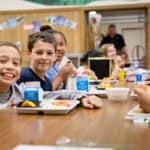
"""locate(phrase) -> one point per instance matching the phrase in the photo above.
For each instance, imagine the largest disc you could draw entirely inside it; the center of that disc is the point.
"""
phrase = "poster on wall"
(61, 21)
(36, 25)
(11, 23)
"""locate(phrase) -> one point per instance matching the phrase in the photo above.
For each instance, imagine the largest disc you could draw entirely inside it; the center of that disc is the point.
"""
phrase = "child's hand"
(67, 70)
(91, 102)
(143, 95)
(91, 74)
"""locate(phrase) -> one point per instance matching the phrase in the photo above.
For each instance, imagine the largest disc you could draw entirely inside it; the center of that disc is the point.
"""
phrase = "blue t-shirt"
(27, 75)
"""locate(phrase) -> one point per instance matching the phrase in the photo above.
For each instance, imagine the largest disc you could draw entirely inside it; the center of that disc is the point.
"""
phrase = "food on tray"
(104, 86)
(107, 80)
(27, 103)
(61, 103)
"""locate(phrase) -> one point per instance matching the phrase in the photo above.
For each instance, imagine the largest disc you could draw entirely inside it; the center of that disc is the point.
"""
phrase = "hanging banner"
(28, 26)
(36, 25)
(61, 21)
(11, 23)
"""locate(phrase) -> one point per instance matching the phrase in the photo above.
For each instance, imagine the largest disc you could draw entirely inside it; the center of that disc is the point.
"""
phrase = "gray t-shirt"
(12, 97)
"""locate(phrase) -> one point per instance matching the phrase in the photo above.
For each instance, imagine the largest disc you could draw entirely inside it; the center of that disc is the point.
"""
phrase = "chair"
(101, 66)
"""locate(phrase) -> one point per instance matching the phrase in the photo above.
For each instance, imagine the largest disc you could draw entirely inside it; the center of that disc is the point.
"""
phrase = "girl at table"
(109, 51)
(61, 59)
(10, 67)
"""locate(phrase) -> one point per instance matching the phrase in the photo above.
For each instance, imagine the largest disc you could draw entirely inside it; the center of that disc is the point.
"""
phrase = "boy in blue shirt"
(41, 46)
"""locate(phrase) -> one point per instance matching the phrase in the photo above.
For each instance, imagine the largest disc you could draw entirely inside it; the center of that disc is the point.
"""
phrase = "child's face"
(61, 46)
(42, 57)
(111, 52)
(10, 65)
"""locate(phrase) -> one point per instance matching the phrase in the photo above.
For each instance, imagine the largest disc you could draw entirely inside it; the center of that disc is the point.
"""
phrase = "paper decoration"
(61, 21)
(28, 27)
(11, 23)
(36, 25)
(95, 21)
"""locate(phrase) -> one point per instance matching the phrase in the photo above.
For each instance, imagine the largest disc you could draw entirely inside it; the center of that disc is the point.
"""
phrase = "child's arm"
(67, 70)
(91, 102)
(143, 97)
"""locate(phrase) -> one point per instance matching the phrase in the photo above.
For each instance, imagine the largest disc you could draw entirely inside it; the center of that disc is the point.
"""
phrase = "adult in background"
(114, 38)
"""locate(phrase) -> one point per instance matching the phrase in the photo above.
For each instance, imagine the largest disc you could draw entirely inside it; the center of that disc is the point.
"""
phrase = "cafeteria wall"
(75, 36)
(79, 39)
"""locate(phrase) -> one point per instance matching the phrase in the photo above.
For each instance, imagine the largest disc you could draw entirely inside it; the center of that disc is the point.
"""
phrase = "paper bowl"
(119, 94)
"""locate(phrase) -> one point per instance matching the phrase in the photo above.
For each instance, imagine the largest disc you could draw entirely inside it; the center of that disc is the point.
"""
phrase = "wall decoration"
(61, 21)
(95, 28)
(28, 26)
(36, 25)
(11, 23)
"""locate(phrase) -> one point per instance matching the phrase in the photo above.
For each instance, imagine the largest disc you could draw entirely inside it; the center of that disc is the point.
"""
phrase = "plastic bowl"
(118, 93)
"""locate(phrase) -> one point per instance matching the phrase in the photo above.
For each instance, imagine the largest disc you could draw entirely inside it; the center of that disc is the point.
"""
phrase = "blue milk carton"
(33, 92)
(82, 83)
(139, 78)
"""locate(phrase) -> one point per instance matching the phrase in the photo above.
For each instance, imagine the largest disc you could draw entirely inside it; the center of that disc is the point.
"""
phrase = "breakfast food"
(61, 103)
(105, 83)
(104, 86)
(107, 80)
(27, 103)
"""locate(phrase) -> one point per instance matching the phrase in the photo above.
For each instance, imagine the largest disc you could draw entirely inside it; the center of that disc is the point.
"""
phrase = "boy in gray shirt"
(10, 67)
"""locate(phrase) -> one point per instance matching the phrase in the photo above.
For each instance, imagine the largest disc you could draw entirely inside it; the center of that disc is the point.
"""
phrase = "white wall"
(19, 5)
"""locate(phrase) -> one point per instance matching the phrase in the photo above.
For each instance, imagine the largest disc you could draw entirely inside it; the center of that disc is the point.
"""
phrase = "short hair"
(90, 53)
(45, 28)
(10, 44)
(40, 36)
(112, 26)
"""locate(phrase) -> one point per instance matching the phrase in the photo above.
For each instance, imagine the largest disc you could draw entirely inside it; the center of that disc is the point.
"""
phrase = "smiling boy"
(42, 46)
(10, 67)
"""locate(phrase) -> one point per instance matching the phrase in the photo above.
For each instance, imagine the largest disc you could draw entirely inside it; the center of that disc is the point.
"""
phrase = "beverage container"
(33, 92)
(82, 83)
(138, 78)
(121, 75)
(71, 84)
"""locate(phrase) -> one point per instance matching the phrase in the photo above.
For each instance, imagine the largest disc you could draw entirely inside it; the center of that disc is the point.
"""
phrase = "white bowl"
(118, 93)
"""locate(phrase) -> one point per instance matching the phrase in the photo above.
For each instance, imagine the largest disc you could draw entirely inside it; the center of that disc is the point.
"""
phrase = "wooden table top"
(104, 127)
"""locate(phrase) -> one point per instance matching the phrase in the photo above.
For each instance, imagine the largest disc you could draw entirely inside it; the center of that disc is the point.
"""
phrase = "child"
(110, 51)
(61, 59)
(10, 67)
(143, 94)
(84, 68)
(41, 47)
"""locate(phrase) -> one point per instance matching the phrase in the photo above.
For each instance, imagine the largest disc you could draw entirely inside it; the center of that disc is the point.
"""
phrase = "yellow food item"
(104, 85)
(61, 103)
(28, 104)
